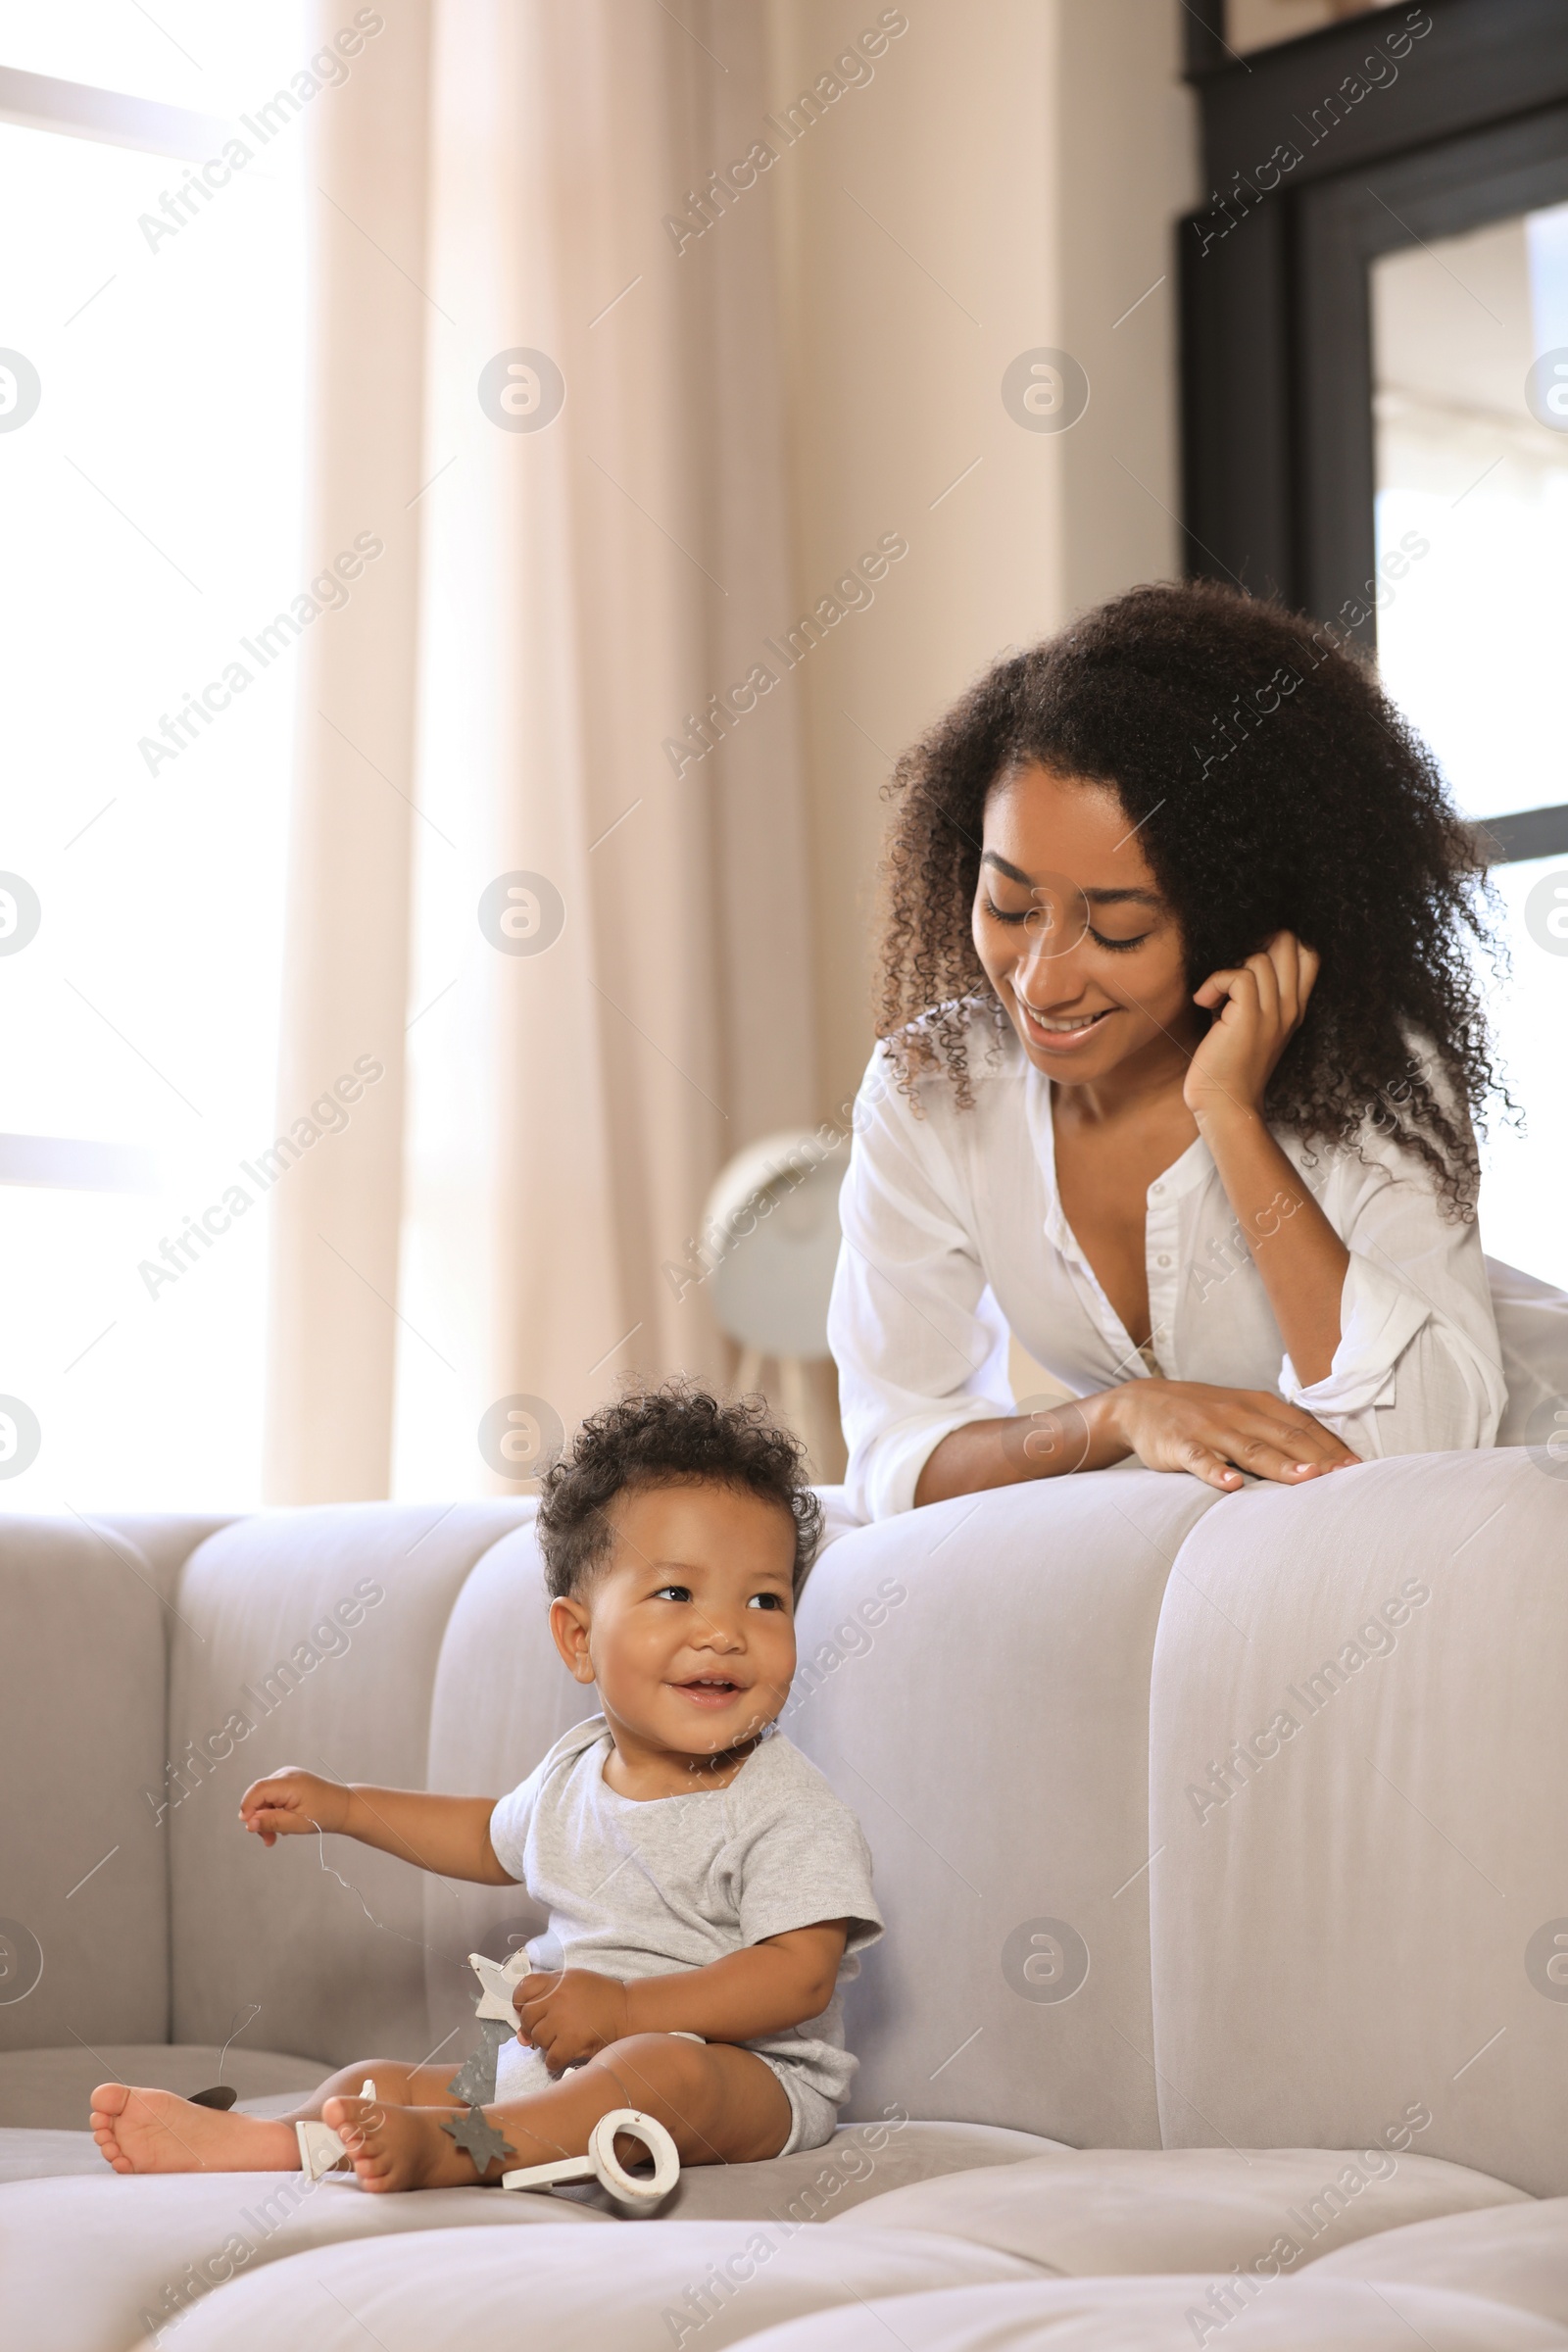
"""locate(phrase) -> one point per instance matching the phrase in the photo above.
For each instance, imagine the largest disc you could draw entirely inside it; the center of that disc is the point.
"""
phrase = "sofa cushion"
(42, 2090)
(164, 2225)
(1159, 2315)
(1515, 2254)
(1358, 1915)
(165, 1539)
(84, 2263)
(637, 2289)
(50, 2089)
(34, 2155)
(311, 1638)
(974, 1682)
(858, 2165)
(500, 1699)
(82, 1684)
(1096, 2211)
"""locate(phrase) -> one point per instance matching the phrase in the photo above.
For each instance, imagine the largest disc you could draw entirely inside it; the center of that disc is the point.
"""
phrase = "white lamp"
(774, 1219)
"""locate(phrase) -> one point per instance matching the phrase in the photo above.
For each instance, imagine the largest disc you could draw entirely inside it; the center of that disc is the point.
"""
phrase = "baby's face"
(690, 1630)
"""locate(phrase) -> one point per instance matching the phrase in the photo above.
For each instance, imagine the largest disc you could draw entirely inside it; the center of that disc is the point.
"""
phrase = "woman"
(1181, 1047)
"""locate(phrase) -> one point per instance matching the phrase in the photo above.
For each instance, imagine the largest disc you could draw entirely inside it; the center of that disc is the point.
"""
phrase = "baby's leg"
(720, 2104)
(396, 2084)
(157, 2132)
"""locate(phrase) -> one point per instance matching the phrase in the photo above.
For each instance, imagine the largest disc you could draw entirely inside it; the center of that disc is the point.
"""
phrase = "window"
(1472, 540)
(151, 470)
(1374, 324)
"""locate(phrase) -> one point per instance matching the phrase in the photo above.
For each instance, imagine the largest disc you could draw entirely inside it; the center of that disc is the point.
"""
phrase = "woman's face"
(1073, 933)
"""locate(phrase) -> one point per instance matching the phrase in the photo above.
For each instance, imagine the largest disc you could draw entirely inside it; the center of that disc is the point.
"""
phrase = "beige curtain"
(335, 1170)
(582, 588)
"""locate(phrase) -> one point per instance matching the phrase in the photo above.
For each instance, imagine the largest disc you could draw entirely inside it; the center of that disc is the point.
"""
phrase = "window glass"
(1472, 620)
(150, 510)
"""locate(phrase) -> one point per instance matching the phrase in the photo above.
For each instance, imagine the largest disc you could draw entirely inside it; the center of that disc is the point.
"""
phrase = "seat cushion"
(1099, 2211)
(704, 2285)
(47, 2155)
(1151, 2315)
(1515, 2254)
(44, 2095)
(96, 2266)
(860, 2163)
(146, 2234)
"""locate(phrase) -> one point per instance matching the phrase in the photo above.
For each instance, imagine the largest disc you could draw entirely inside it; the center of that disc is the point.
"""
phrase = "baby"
(706, 1888)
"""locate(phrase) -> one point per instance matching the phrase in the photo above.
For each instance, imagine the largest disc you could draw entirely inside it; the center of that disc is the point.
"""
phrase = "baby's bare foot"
(157, 2132)
(399, 2147)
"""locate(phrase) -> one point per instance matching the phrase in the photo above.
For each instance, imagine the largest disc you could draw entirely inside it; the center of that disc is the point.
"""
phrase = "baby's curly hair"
(1273, 787)
(675, 1435)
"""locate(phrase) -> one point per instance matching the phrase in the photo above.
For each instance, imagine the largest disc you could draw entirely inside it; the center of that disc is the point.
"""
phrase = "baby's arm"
(763, 1989)
(448, 1835)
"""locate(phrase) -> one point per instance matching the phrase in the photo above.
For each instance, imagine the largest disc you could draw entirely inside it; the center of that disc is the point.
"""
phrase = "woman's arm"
(1295, 1250)
(1419, 1368)
(447, 1835)
(1298, 1252)
(770, 1987)
(1168, 1424)
(919, 1340)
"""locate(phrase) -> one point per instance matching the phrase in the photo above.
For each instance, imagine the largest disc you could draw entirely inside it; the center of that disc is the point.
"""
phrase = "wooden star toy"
(478, 2139)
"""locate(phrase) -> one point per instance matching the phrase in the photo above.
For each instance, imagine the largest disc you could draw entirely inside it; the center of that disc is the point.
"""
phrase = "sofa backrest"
(502, 1699)
(310, 1637)
(83, 1871)
(974, 1681)
(1363, 1913)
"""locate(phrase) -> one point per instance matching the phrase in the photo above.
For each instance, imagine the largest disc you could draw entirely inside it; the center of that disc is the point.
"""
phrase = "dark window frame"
(1276, 342)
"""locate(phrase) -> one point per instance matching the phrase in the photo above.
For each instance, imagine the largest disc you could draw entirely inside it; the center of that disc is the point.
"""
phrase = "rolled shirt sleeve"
(1418, 1368)
(921, 1343)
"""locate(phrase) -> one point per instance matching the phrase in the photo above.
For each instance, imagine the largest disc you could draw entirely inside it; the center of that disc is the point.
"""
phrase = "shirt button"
(1162, 1262)
(1157, 1188)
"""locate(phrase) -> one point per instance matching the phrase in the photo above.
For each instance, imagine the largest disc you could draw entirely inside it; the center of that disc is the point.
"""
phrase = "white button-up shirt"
(954, 1236)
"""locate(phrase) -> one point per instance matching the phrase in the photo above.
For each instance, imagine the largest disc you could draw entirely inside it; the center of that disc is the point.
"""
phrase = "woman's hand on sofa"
(1219, 1433)
(1213, 1433)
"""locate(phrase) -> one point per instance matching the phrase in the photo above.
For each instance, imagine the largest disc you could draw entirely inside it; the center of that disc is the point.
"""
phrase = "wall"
(1007, 180)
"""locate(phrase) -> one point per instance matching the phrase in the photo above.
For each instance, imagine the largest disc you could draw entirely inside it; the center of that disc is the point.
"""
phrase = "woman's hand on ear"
(1260, 1007)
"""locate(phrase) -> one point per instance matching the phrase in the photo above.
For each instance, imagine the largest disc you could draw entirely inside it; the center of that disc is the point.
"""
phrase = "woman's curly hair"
(1274, 787)
(675, 1435)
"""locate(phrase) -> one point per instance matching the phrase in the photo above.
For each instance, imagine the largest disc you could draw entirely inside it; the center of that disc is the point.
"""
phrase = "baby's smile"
(710, 1689)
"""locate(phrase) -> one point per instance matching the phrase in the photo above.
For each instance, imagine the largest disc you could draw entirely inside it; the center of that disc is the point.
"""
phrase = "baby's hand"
(571, 2014)
(293, 1804)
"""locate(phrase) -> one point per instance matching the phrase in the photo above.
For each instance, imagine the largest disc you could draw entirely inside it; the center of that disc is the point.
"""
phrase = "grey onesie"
(643, 1887)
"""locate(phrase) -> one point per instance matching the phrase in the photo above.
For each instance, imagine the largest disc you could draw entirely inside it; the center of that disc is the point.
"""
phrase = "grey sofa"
(1222, 1846)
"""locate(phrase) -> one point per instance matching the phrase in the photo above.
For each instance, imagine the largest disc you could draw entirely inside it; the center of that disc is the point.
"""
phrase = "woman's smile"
(1061, 1033)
